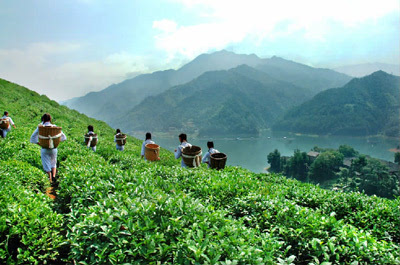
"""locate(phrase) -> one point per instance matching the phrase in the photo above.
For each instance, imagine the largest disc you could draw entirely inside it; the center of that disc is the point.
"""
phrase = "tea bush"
(30, 231)
(113, 207)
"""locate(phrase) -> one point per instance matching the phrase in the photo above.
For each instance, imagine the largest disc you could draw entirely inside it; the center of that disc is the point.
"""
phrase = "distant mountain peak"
(360, 70)
(375, 75)
(277, 58)
(224, 53)
(379, 73)
(244, 66)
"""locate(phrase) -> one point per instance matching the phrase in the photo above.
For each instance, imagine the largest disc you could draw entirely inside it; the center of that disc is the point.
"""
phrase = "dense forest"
(342, 169)
(112, 207)
(365, 106)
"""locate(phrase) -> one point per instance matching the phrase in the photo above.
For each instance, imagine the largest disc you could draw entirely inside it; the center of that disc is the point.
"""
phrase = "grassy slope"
(114, 208)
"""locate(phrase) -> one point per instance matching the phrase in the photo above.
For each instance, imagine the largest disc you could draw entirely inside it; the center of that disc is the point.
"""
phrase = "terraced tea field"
(112, 207)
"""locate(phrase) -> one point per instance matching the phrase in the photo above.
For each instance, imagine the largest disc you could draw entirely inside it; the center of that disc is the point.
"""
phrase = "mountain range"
(120, 101)
(364, 106)
(119, 98)
(241, 100)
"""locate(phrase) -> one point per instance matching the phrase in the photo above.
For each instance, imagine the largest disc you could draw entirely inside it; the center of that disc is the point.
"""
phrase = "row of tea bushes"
(136, 216)
(30, 230)
(114, 208)
(262, 202)
(117, 208)
(378, 216)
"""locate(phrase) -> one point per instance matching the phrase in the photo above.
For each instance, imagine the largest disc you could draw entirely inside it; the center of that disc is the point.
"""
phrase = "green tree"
(358, 163)
(325, 166)
(347, 151)
(285, 165)
(274, 159)
(375, 179)
(397, 157)
(299, 165)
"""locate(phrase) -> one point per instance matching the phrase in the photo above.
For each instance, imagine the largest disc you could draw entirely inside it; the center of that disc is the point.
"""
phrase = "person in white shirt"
(178, 151)
(119, 147)
(91, 133)
(49, 156)
(147, 141)
(211, 150)
(11, 123)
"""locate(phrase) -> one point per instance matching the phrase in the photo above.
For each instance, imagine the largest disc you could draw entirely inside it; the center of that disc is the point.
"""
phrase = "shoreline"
(265, 134)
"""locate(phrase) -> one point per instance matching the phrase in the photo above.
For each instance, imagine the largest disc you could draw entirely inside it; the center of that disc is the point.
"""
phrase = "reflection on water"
(251, 153)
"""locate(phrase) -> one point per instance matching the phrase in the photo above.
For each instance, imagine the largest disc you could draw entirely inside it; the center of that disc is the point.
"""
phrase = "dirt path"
(51, 192)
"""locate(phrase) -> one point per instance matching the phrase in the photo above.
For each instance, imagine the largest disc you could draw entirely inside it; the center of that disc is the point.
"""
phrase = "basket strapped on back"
(5, 121)
(120, 139)
(50, 138)
(51, 145)
(192, 157)
(90, 139)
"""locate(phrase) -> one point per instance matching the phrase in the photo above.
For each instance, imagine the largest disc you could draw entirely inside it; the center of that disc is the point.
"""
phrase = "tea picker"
(5, 125)
(178, 152)
(191, 154)
(48, 136)
(211, 150)
(150, 151)
(120, 140)
(91, 138)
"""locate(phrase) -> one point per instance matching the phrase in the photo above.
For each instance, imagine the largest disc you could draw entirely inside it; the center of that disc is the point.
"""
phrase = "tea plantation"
(114, 208)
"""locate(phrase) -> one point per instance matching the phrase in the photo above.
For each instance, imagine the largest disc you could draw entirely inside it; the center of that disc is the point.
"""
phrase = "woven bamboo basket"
(94, 139)
(4, 123)
(152, 152)
(191, 156)
(121, 139)
(218, 161)
(46, 131)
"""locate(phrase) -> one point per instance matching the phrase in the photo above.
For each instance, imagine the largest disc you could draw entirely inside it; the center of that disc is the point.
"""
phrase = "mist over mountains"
(360, 70)
(240, 100)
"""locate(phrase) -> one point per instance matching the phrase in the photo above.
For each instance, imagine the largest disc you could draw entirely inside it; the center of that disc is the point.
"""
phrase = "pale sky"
(67, 48)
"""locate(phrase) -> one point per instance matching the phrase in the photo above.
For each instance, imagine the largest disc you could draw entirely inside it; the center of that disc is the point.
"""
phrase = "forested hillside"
(364, 106)
(239, 101)
(314, 79)
(123, 97)
(111, 207)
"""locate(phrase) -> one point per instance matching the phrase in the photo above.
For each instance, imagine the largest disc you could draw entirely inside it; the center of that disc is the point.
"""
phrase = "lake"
(251, 153)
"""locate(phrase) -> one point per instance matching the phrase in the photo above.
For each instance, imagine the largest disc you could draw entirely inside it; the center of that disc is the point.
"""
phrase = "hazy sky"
(66, 48)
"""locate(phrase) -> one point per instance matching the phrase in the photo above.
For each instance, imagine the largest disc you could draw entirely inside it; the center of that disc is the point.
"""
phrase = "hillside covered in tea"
(111, 207)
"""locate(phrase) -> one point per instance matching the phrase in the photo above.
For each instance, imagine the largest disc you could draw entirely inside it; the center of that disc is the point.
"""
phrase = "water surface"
(251, 153)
